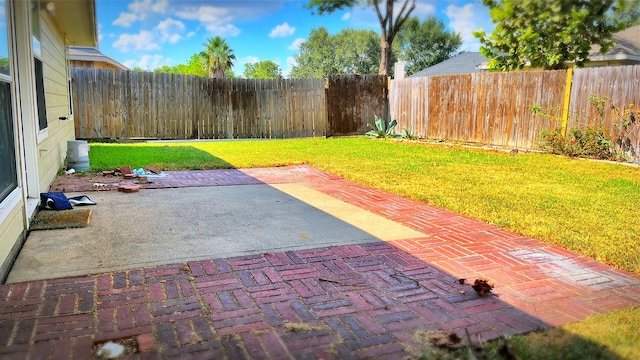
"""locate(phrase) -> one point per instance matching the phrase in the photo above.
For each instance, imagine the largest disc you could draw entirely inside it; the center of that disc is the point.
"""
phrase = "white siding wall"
(52, 150)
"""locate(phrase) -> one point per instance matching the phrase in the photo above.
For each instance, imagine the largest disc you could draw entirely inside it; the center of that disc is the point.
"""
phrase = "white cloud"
(223, 30)
(148, 62)
(146, 6)
(422, 10)
(100, 36)
(291, 62)
(295, 45)
(136, 42)
(216, 20)
(170, 30)
(250, 60)
(191, 34)
(346, 16)
(283, 30)
(463, 20)
(138, 10)
(126, 19)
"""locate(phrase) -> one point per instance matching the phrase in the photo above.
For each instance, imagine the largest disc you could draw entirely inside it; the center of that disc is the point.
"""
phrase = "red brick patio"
(358, 301)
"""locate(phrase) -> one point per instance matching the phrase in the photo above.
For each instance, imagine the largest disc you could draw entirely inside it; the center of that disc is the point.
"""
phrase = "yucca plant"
(382, 130)
(409, 134)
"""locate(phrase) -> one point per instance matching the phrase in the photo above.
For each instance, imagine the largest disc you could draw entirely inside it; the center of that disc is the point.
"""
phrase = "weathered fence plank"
(620, 86)
(352, 102)
(485, 108)
(129, 105)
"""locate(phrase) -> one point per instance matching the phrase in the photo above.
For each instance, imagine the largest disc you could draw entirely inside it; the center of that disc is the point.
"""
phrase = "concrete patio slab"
(153, 227)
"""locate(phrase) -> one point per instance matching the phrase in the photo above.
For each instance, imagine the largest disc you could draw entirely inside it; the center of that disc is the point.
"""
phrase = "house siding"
(12, 233)
(53, 149)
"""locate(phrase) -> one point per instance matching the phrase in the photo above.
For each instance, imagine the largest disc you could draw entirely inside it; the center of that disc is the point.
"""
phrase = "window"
(42, 106)
(8, 172)
(8, 164)
(35, 26)
(39, 75)
(69, 83)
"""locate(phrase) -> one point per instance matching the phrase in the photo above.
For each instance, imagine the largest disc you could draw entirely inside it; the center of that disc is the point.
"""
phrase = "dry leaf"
(482, 286)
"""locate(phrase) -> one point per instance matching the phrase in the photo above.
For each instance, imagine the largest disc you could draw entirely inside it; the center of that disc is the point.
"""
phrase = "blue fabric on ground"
(55, 201)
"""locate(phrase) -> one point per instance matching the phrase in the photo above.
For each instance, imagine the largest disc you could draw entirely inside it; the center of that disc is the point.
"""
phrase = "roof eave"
(76, 19)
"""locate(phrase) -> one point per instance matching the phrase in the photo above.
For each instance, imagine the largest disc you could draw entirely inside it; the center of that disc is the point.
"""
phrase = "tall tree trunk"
(385, 56)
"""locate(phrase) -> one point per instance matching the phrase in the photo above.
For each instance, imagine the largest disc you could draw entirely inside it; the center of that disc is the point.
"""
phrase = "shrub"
(552, 141)
(590, 142)
(382, 130)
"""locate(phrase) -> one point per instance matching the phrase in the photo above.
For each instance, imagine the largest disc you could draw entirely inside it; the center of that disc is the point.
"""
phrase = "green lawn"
(585, 206)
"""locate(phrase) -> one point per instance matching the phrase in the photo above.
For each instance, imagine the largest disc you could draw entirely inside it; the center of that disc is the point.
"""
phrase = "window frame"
(11, 198)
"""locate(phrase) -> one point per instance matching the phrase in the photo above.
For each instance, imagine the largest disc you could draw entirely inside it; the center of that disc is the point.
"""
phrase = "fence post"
(567, 97)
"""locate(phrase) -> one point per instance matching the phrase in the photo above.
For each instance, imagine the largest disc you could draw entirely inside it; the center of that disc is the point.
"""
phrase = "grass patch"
(583, 206)
(612, 335)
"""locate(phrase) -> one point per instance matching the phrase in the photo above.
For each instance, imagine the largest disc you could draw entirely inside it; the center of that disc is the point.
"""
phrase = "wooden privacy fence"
(353, 101)
(493, 108)
(129, 104)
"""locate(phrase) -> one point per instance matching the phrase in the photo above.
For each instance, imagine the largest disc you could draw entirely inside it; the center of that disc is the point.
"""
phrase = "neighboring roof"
(464, 63)
(76, 19)
(84, 53)
(627, 47)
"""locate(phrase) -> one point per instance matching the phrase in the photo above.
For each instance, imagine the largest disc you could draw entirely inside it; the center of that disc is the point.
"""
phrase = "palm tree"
(218, 57)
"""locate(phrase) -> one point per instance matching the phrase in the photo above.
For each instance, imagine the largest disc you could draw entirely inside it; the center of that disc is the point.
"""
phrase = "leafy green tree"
(348, 52)
(219, 57)
(357, 51)
(390, 17)
(627, 12)
(315, 58)
(138, 69)
(195, 66)
(266, 69)
(423, 44)
(164, 69)
(546, 34)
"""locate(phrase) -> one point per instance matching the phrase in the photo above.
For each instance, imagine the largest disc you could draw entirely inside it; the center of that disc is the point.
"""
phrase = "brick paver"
(354, 301)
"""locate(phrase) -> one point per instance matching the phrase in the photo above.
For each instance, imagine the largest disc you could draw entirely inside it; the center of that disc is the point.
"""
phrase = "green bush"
(552, 141)
(382, 130)
(590, 142)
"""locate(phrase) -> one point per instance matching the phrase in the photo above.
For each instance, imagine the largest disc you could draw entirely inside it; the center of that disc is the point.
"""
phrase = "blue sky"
(152, 33)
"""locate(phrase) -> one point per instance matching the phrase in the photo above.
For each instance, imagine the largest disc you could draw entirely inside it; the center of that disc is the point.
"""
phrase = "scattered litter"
(329, 280)
(139, 171)
(125, 170)
(81, 200)
(54, 201)
(482, 286)
(99, 186)
(110, 351)
(70, 171)
(129, 188)
(445, 340)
